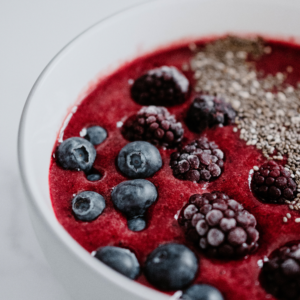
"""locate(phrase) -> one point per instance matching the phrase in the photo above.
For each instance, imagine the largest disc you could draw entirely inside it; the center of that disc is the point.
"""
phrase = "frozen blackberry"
(153, 124)
(280, 274)
(164, 86)
(201, 160)
(76, 153)
(220, 226)
(133, 198)
(201, 292)
(139, 160)
(272, 183)
(207, 111)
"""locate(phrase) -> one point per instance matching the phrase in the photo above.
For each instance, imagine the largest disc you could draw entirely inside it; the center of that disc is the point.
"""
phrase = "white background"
(31, 33)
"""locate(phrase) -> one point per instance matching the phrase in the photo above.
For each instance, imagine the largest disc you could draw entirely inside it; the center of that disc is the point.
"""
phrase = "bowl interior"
(101, 49)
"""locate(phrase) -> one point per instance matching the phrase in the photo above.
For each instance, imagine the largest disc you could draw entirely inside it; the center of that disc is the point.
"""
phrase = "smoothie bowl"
(164, 142)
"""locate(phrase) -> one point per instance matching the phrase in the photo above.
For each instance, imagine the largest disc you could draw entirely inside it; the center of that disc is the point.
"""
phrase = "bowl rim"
(40, 207)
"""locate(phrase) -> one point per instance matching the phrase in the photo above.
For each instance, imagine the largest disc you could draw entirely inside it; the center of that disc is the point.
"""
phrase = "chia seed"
(269, 121)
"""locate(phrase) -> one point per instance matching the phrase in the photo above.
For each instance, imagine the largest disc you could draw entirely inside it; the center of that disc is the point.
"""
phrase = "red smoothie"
(109, 103)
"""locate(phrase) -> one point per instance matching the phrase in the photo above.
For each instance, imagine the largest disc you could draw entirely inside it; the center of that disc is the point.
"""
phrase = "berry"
(280, 274)
(133, 198)
(200, 160)
(201, 292)
(164, 86)
(153, 124)
(219, 225)
(93, 175)
(273, 184)
(87, 206)
(207, 111)
(171, 267)
(122, 260)
(96, 135)
(76, 154)
(136, 224)
(139, 160)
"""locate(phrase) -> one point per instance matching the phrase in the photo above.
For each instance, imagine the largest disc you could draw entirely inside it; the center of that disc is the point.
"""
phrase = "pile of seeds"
(268, 111)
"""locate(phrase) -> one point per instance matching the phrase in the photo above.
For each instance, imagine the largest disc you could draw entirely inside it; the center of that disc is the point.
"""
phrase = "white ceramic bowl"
(98, 50)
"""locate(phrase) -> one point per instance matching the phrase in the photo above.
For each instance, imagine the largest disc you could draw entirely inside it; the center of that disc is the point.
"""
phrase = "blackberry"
(164, 86)
(199, 160)
(155, 125)
(280, 274)
(207, 111)
(220, 226)
(272, 183)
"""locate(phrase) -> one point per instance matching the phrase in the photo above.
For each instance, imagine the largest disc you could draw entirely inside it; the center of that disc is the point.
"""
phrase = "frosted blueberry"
(201, 292)
(171, 267)
(133, 198)
(120, 259)
(136, 224)
(96, 135)
(76, 154)
(87, 206)
(139, 160)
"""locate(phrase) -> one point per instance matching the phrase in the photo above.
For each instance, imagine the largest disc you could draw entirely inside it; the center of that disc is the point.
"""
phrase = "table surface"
(32, 32)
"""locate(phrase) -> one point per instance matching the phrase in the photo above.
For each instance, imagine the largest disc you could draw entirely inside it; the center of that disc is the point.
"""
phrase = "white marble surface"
(31, 33)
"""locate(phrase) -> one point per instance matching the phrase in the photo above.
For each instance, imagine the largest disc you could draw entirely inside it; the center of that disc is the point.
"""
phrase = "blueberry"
(120, 259)
(93, 175)
(171, 267)
(136, 224)
(87, 206)
(96, 135)
(133, 198)
(139, 160)
(201, 292)
(76, 153)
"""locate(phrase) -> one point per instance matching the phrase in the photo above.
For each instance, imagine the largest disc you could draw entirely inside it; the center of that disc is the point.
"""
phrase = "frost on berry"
(220, 226)
(153, 124)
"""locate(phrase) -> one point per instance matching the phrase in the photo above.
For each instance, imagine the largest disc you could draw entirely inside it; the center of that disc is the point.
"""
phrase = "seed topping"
(268, 120)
